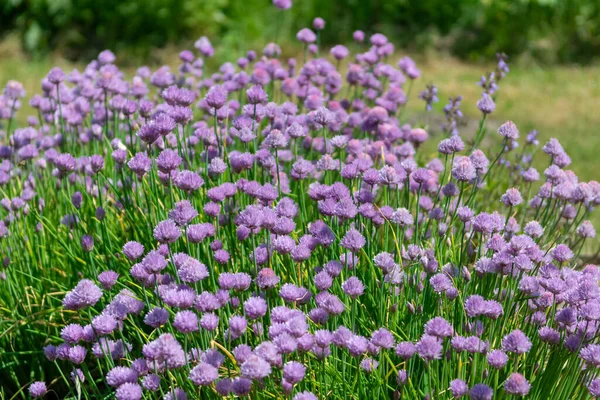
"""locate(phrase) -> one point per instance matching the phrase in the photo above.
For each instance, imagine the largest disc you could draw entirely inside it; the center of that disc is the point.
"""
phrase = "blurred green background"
(547, 30)
(554, 48)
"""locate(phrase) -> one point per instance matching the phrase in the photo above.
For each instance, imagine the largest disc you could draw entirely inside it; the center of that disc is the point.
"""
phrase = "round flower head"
(534, 229)
(586, 230)
(38, 389)
(305, 396)
(429, 348)
(509, 130)
(293, 372)
(405, 350)
(156, 317)
(167, 231)
(209, 321)
(463, 169)
(497, 359)
(104, 324)
(133, 250)
(282, 4)
(120, 375)
(594, 388)
(306, 36)
(369, 365)
(107, 279)
(267, 279)
(204, 374)
(562, 253)
(353, 240)
(439, 327)
(486, 104)
(255, 307)
(512, 197)
(72, 333)
(402, 377)
(319, 24)
(516, 342)
(459, 388)
(255, 368)
(188, 181)
(216, 96)
(481, 392)
(353, 287)
(517, 385)
(257, 95)
(129, 391)
(85, 294)
(591, 354)
(382, 338)
(186, 321)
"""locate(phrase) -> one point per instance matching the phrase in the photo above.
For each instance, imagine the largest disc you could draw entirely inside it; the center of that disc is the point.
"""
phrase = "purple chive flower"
(353, 240)
(516, 342)
(486, 104)
(353, 287)
(306, 36)
(166, 349)
(186, 321)
(497, 359)
(255, 307)
(188, 181)
(463, 169)
(204, 374)
(512, 197)
(438, 327)
(151, 382)
(120, 375)
(369, 365)
(481, 391)
(459, 388)
(517, 385)
(282, 4)
(85, 294)
(156, 317)
(383, 338)
(209, 321)
(405, 350)
(167, 231)
(255, 367)
(133, 250)
(293, 372)
(216, 97)
(257, 95)
(108, 279)
(591, 354)
(38, 389)
(594, 387)
(509, 130)
(129, 391)
(562, 253)
(183, 213)
(72, 333)
(549, 335)
(104, 324)
(267, 279)
(429, 348)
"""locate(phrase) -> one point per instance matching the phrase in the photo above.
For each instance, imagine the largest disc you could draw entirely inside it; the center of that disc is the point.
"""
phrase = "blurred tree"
(550, 30)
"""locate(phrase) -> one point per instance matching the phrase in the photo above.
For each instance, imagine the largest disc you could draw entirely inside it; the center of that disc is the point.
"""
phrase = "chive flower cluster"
(274, 229)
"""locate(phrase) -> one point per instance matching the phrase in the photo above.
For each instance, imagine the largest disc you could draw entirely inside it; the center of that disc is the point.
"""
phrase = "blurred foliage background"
(548, 31)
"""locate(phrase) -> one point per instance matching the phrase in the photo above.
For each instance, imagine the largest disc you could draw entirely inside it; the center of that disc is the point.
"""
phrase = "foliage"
(549, 30)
